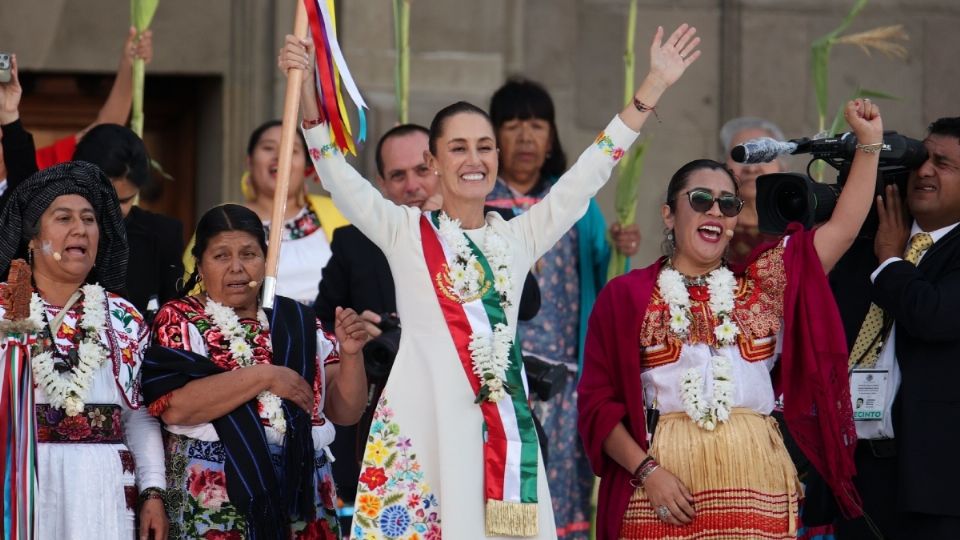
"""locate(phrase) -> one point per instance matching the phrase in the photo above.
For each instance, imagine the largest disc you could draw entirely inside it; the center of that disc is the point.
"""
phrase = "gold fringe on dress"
(505, 518)
(740, 474)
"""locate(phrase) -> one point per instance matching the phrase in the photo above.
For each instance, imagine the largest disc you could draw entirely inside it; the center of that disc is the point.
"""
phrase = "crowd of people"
(389, 391)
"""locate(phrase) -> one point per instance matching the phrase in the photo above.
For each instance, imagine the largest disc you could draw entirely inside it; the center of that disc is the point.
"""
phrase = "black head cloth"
(21, 216)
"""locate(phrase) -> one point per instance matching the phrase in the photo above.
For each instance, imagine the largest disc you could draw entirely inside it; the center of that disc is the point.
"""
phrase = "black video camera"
(783, 198)
(380, 352)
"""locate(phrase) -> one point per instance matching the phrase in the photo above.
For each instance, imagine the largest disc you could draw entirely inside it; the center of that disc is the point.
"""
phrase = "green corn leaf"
(141, 14)
(625, 204)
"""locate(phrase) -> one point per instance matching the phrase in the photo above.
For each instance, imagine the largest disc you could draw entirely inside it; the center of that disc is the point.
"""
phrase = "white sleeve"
(142, 433)
(356, 198)
(548, 220)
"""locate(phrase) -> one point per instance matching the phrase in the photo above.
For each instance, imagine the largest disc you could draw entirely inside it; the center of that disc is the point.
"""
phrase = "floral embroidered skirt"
(198, 505)
(743, 482)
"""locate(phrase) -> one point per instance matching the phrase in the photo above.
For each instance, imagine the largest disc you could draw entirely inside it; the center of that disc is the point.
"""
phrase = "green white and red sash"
(510, 448)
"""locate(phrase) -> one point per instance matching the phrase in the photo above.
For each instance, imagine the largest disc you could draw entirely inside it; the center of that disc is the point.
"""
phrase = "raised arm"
(355, 196)
(548, 220)
(835, 237)
(116, 109)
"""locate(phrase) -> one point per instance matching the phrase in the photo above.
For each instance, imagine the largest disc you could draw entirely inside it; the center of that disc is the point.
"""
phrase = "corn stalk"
(141, 14)
(401, 76)
(631, 165)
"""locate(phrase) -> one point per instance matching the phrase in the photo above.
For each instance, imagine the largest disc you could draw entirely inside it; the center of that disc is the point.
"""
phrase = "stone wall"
(755, 61)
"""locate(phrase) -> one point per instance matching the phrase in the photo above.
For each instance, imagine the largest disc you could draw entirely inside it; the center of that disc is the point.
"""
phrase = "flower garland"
(226, 320)
(68, 391)
(721, 285)
(490, 353)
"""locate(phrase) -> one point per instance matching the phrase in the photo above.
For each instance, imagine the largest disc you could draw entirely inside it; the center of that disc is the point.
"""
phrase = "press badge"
(868, 390)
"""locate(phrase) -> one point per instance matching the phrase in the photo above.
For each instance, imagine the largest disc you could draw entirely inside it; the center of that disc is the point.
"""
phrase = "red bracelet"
(307, 124)
(642, 107)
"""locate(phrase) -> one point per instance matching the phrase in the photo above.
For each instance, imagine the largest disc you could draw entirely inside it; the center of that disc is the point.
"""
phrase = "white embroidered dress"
(83, 487)
(423, 465)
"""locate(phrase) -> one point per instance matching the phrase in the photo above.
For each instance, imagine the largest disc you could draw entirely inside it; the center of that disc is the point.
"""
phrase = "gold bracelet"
(870, 148)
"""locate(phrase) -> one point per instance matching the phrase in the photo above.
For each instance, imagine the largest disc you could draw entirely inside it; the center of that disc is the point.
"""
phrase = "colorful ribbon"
(331, 71)
(18, 453)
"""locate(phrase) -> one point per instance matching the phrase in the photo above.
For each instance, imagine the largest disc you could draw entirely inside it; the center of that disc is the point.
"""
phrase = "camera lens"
(791, 202)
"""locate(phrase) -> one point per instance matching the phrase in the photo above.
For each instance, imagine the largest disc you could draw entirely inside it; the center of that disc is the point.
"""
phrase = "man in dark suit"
(905, 358)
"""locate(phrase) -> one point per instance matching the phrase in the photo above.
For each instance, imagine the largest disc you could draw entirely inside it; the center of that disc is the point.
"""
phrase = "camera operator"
(358, 276)
(904, 355)
(747, 235)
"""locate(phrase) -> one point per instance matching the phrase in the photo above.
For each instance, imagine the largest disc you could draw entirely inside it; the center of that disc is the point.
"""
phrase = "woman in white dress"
(99, 454)
(452, 445)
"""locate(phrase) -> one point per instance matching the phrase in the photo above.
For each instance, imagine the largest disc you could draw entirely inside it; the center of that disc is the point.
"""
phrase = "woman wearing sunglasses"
(680, 431)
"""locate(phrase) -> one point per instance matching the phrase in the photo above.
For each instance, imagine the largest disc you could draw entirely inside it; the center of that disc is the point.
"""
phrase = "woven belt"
(97, 424)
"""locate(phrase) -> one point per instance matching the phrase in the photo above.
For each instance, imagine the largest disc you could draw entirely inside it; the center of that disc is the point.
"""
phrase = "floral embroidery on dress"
(325, 151)
(392, 496)
(605, 143)
(758, 311)
(305, 223)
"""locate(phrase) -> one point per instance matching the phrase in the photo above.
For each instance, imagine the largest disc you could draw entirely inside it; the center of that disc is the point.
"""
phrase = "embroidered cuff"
(616, 138)
(884, 264)
(319, 143)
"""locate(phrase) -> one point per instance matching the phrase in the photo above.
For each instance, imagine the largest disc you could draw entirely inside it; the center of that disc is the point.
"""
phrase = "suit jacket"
(156, 243)
(924, 301)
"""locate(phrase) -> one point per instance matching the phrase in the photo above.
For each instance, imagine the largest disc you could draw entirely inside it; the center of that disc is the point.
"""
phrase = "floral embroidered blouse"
(758, 314)
(183, 324)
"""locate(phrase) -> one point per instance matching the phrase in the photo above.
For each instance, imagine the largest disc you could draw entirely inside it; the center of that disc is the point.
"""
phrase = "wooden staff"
(291, 107)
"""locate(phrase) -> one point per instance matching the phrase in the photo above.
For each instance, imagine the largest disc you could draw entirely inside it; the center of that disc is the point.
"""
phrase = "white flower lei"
(721, 284)
(226, 319)
(68, 391)
(490, 353)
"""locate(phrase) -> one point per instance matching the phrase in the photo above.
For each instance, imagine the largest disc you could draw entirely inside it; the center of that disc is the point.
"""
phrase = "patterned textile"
(568, 471)
(95, 424)
(305, 223)
(392, 496)
(741, 478)
(197, 502)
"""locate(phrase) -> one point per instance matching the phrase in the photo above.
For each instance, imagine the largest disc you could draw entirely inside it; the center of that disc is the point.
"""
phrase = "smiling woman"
(452, 449)
(85, 352)
(709, 339)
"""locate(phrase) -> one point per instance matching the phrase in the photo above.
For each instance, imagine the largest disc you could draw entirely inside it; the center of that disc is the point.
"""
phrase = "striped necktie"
(866, 349)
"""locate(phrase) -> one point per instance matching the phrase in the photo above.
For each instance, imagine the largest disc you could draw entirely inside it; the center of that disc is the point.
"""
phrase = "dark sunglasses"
(702, 201)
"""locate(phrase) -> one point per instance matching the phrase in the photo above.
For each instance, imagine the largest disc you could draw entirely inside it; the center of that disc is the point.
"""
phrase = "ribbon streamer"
(331, 70)
(18, 451)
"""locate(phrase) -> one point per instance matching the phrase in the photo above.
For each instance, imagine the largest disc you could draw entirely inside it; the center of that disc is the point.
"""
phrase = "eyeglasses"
(701, 200)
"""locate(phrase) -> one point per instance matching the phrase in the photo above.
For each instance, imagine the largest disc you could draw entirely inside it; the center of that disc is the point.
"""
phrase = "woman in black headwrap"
(97, 448)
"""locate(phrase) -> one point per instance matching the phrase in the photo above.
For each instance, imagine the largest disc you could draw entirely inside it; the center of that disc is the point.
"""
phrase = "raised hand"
(299, 53)
(668, 60)
(863, 116)
(138, 46)
(893, 231)
(10, 93)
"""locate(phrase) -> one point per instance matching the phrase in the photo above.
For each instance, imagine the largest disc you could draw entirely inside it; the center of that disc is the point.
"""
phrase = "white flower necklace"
(489, 352)
(721, 285)
(226, 320)
(69, 390)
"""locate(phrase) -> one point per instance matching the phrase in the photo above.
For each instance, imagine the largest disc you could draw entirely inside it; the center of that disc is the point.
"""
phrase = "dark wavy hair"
(946, 126)
(220, 219)
(440, 119)
(522, 99)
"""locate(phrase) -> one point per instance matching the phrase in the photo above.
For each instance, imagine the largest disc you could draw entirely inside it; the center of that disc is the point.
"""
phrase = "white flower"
(679, 322)
(726, 332)
(240, 349)
(72, 405)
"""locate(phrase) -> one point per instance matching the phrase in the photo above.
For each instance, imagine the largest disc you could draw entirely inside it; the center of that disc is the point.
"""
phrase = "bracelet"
(307, 124)
(870, 148)
(644, 470)
(151, 493)
(640, 106)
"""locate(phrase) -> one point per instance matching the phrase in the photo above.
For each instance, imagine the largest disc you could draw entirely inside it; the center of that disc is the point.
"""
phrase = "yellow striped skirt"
(743, 482)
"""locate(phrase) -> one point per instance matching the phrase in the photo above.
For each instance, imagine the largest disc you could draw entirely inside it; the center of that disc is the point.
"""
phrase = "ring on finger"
(663, 512)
